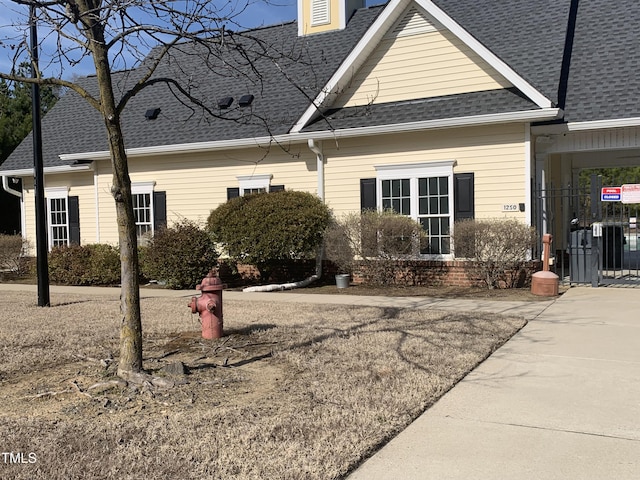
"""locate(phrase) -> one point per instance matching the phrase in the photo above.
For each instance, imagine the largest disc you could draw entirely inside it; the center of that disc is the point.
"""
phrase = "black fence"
(595, 230)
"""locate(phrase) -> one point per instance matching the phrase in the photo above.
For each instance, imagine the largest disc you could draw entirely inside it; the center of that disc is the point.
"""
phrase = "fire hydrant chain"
(209, 306)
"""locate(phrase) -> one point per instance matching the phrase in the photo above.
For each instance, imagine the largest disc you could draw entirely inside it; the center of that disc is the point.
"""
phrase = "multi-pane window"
(250, 184)
(143, 213)
(58, 222)
(251, 191)
(396, 196)
(433, 213)
(57, 201)
(142, 196)
(423, 192)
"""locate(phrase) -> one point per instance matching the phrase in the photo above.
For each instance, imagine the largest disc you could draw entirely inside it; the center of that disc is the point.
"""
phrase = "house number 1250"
(510, 207)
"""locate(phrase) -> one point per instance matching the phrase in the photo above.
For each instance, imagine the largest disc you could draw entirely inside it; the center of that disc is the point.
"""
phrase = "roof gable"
(419, 58)
(393, 13)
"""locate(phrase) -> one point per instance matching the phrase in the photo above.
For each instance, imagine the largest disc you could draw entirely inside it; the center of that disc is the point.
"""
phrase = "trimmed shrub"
(266, 228)
(499, 248)
(96, 264)
(180, 255)
(374, 241)
(12, 251)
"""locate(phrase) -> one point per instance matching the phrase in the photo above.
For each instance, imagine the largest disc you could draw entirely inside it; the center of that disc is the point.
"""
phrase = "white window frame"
(250, 183)
(413, 172)
(145, 188)
(57, 193)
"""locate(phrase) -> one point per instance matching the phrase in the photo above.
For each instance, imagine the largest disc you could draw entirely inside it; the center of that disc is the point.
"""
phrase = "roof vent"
(225, 102)
(245, 100)
(152, 113)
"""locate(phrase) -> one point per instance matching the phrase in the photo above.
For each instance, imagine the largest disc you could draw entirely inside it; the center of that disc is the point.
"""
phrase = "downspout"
(96, 193)
(8, 189)
(320, 163)
(317, 149)
(307, 281)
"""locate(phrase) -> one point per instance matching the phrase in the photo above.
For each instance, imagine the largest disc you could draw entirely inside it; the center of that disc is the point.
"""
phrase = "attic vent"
(245, 100)
(413, 23)
(225, 102)
(152, 113)
(319, 12)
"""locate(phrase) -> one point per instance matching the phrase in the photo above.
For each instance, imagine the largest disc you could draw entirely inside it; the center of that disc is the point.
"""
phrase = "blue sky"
(258, 13)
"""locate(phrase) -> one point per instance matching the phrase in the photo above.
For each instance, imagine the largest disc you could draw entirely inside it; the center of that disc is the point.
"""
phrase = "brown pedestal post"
(545, 283)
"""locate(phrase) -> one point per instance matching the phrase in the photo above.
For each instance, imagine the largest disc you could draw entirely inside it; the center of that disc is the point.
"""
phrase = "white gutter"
(183, 148)
(475, 120)
(8, 189)
(294, 138)
(585, 126)
(317, 149)
(25, 172)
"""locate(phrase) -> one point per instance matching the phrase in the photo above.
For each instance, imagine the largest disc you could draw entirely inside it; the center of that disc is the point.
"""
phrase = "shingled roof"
(420, 110)
(292, 70)
(595, 79)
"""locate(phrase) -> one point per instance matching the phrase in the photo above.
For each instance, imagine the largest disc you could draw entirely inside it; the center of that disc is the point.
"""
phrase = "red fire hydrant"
(209, 306)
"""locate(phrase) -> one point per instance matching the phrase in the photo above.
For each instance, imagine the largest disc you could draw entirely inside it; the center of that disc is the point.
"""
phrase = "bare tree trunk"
(131, 327)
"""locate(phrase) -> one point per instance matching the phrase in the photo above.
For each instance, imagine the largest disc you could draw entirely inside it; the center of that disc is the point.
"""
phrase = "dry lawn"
(291, 392)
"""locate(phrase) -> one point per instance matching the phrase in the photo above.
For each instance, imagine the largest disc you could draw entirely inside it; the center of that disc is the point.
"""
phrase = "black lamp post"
(42, 249)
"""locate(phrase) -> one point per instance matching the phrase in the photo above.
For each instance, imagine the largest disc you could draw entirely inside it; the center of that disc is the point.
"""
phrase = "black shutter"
(74, 220)
(275, 188)
(368, 200)
(463, 196)
(159, 210)
(233, 192)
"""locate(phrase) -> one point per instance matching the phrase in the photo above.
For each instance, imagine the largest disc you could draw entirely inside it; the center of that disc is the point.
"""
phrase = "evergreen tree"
(15, 110)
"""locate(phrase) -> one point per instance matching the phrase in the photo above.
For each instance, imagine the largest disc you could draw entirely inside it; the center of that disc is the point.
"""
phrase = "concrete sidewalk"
(560, 400)
(525, 309)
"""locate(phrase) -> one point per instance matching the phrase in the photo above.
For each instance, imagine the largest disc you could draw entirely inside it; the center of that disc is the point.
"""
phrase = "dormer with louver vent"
(317, 16)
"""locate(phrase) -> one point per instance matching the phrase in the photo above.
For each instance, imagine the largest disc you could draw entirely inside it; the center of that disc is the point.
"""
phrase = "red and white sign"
(611, 194)
(631, 193)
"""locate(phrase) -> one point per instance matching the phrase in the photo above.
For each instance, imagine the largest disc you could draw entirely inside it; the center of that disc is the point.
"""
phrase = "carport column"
(541, 183)
(596, 217)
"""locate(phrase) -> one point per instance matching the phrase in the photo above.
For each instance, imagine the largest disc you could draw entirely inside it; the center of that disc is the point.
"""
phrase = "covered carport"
(595, 230)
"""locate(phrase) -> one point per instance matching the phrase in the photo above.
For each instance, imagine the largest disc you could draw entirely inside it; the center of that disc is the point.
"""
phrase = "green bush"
(96, 264)
(266, 228)
(499, 248)
(180, 255)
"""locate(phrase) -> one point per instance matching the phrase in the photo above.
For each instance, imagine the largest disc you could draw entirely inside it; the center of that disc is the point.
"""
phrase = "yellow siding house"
(441, 110)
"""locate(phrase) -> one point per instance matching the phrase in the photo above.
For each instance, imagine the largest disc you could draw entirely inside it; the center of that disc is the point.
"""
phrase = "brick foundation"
(428, 273)
(457, 273)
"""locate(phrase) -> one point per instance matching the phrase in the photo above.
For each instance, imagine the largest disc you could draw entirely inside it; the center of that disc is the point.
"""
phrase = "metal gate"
(595, 234)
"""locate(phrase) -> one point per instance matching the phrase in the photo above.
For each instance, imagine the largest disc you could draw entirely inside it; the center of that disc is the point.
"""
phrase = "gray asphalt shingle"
(528, 35)
(437, 108)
